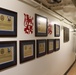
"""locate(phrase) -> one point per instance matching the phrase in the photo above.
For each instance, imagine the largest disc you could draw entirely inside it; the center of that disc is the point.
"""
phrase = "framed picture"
(41, 25)
(27, 50)
(41, 47)
(8, 54)
(8, 23)
(50, 45)
(57, 44)
(66, 34)
(56, 30)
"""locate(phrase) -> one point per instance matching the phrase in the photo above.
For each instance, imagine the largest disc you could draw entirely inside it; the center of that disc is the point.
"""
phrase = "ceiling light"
(54, 1)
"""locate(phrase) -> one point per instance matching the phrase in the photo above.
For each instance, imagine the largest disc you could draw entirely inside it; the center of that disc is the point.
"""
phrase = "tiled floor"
(73, 70)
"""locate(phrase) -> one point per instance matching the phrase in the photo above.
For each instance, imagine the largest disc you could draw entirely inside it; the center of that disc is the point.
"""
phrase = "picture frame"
(8, 23)
(57, 44)
(8, 54)
(65, 34)
(27, 50)
(56, 30)
(41, 25)
(50, 46)
(41, 47)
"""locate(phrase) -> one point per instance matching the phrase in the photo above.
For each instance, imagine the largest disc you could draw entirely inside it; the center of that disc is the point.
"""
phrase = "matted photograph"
(41, 25)
(57, 44)
(8, 23)
(8, 54)
(50, 45)
(65, 34)
(41, 47)
(56, 30)
(27, 50)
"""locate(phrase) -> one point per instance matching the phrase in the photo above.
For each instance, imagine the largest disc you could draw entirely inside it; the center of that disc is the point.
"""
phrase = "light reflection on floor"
(73, 70)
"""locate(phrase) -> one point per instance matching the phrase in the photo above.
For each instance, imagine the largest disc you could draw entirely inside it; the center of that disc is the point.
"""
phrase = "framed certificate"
(56, 30)
(57, 44)
(50, 45)
(27, 50)
(41, 47)
(8, 54)
(8, 23)
(41, 25)
(66, 34)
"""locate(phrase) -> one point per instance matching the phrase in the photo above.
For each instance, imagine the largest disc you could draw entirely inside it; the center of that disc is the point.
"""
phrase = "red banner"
(28, 23)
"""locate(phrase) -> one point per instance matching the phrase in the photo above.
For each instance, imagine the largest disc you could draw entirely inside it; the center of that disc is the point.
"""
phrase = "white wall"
(52, 64)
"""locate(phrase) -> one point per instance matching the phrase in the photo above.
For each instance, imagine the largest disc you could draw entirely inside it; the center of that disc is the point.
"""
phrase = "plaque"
(27, 50)
(8, 54)
(41, 47)
(56, 30)
(65, 34)
(41, 25)
(8, 23)
(50, 46)
(57, 44)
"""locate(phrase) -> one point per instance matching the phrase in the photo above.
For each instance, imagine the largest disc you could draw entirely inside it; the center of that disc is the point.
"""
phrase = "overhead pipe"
(43, 8)
(54, 12)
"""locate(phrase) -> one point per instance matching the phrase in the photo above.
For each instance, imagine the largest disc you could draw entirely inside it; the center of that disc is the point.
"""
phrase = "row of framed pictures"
(8, 24)
(8, 50)
(41, 26)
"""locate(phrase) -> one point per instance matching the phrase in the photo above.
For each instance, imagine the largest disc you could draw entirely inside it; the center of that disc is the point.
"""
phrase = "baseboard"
(69, 68)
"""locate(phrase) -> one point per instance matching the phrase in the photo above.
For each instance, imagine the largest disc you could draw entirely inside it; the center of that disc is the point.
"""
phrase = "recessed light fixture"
(54, 1)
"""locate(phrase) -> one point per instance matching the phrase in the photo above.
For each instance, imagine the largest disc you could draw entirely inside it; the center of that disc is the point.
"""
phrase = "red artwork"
(49, 29)
(28, 23)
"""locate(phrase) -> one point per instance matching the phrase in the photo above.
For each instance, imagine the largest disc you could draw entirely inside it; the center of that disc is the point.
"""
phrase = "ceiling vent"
(74, 2)
(53, 1)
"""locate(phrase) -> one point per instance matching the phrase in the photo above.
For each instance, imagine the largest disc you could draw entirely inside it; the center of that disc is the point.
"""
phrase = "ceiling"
(65, 8)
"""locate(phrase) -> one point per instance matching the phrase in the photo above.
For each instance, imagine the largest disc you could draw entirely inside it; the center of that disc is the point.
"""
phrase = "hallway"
(37, 37)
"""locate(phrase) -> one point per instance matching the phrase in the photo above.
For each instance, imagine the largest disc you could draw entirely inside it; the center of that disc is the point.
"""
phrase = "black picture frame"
(57, 44)
(25, 47)
(50, 45)
(8, 54)
(65, 34)
(41, 25)
(8, 23)
(40, 43)
(56, 30)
